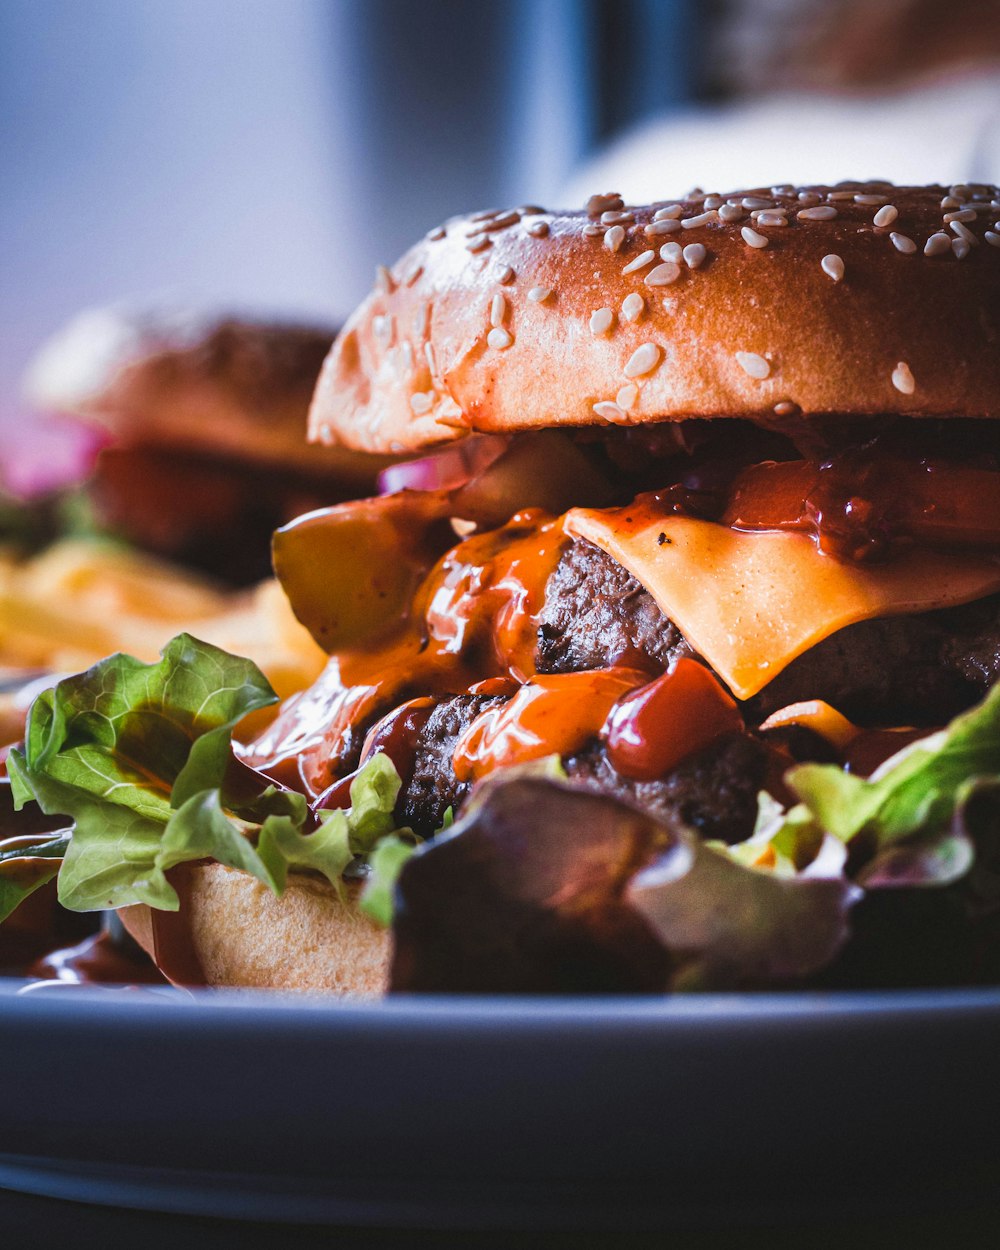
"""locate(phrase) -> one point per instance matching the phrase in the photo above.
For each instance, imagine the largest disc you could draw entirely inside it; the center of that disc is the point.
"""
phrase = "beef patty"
(918, 670)
(714, 791)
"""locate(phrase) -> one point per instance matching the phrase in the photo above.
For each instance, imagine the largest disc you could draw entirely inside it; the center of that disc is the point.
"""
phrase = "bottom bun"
(240, 934)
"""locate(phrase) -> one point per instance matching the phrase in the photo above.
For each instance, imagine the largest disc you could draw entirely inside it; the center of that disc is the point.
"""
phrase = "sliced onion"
(447, 469)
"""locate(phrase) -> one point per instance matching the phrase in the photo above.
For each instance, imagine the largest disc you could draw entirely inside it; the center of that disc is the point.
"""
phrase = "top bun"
(864, 298)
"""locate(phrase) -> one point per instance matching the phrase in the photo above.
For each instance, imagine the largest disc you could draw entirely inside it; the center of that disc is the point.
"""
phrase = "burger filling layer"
(871, 573)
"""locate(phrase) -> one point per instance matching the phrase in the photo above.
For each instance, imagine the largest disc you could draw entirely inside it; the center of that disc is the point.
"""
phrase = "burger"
(667, 660)
(199, 420)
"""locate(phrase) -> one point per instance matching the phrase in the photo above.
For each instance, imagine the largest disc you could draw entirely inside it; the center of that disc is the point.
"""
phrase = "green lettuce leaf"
(387, 862)
(138, 756)
(26, 864)
(903, 815)
(122, 746)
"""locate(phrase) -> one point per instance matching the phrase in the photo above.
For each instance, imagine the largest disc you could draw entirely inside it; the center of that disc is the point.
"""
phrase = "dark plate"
(503, 1113)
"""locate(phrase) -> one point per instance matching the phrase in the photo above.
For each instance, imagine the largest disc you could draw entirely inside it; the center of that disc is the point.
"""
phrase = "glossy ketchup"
(98, 960)
(474, 619)
(555, 714)
(396, 736)
(652, 728)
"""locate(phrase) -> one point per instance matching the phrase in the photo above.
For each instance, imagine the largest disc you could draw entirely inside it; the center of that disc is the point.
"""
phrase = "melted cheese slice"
(749, 603)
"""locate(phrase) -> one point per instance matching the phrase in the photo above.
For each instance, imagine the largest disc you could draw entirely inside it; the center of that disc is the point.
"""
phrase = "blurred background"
(265, 154)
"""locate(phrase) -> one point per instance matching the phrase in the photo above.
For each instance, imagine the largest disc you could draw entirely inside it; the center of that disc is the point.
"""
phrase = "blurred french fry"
(79, 601)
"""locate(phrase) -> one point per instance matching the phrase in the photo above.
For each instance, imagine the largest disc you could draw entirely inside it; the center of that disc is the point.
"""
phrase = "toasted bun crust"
(243, 936)
(494, 322)
(221, 386)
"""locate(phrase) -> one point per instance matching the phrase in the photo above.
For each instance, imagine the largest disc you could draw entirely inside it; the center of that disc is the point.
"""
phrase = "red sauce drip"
(97, 960)
(474, 618)
(650, 730)
(173, 945)
(555, 714)
(395, 735)
(865, 506)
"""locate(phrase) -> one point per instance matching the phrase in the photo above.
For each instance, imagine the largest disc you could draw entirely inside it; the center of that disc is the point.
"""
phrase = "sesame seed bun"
(859, 299)
(241, 935)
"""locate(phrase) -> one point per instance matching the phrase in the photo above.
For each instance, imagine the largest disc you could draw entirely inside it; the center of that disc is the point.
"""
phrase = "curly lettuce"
(138, 757)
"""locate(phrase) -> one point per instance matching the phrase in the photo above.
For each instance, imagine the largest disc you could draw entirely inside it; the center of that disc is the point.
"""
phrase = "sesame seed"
(593, 231)
(756, 366)
(960, 191)
(539, 229)
(961, 214)
(617, 219)
(833, 266)
(640, 262)
(673, 251)
(902, 243)
(713, 201)
(601, 320)
(421, 402)
(529, 210)
(902, 379)
(598, 204)
(960, 248)
(937, 244)
(486, 214)
(949, 201)
(643, 360)
(818, 212)
(498, 310)
(885, 215)
(839, 197)
(437, 233)
(731, 212)
(786, 188)
(669, 225)
(870, 201)
(754, 201)
(964, 232)
(499, 338)
(611, 412)
(479, 243)
(752, 238)
(808, 198)
(773, 217)
(614, 238)
(694, 255)
(539, 294)
(992, 237)
(633, 306)
(506, 276)
(671, 212)
(628, 396)
(669, 271)
(691, 223)
(503, 221)
(384, 282)
(785, 408)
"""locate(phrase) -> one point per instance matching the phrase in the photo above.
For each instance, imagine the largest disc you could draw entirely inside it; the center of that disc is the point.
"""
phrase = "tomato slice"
(862, 507)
